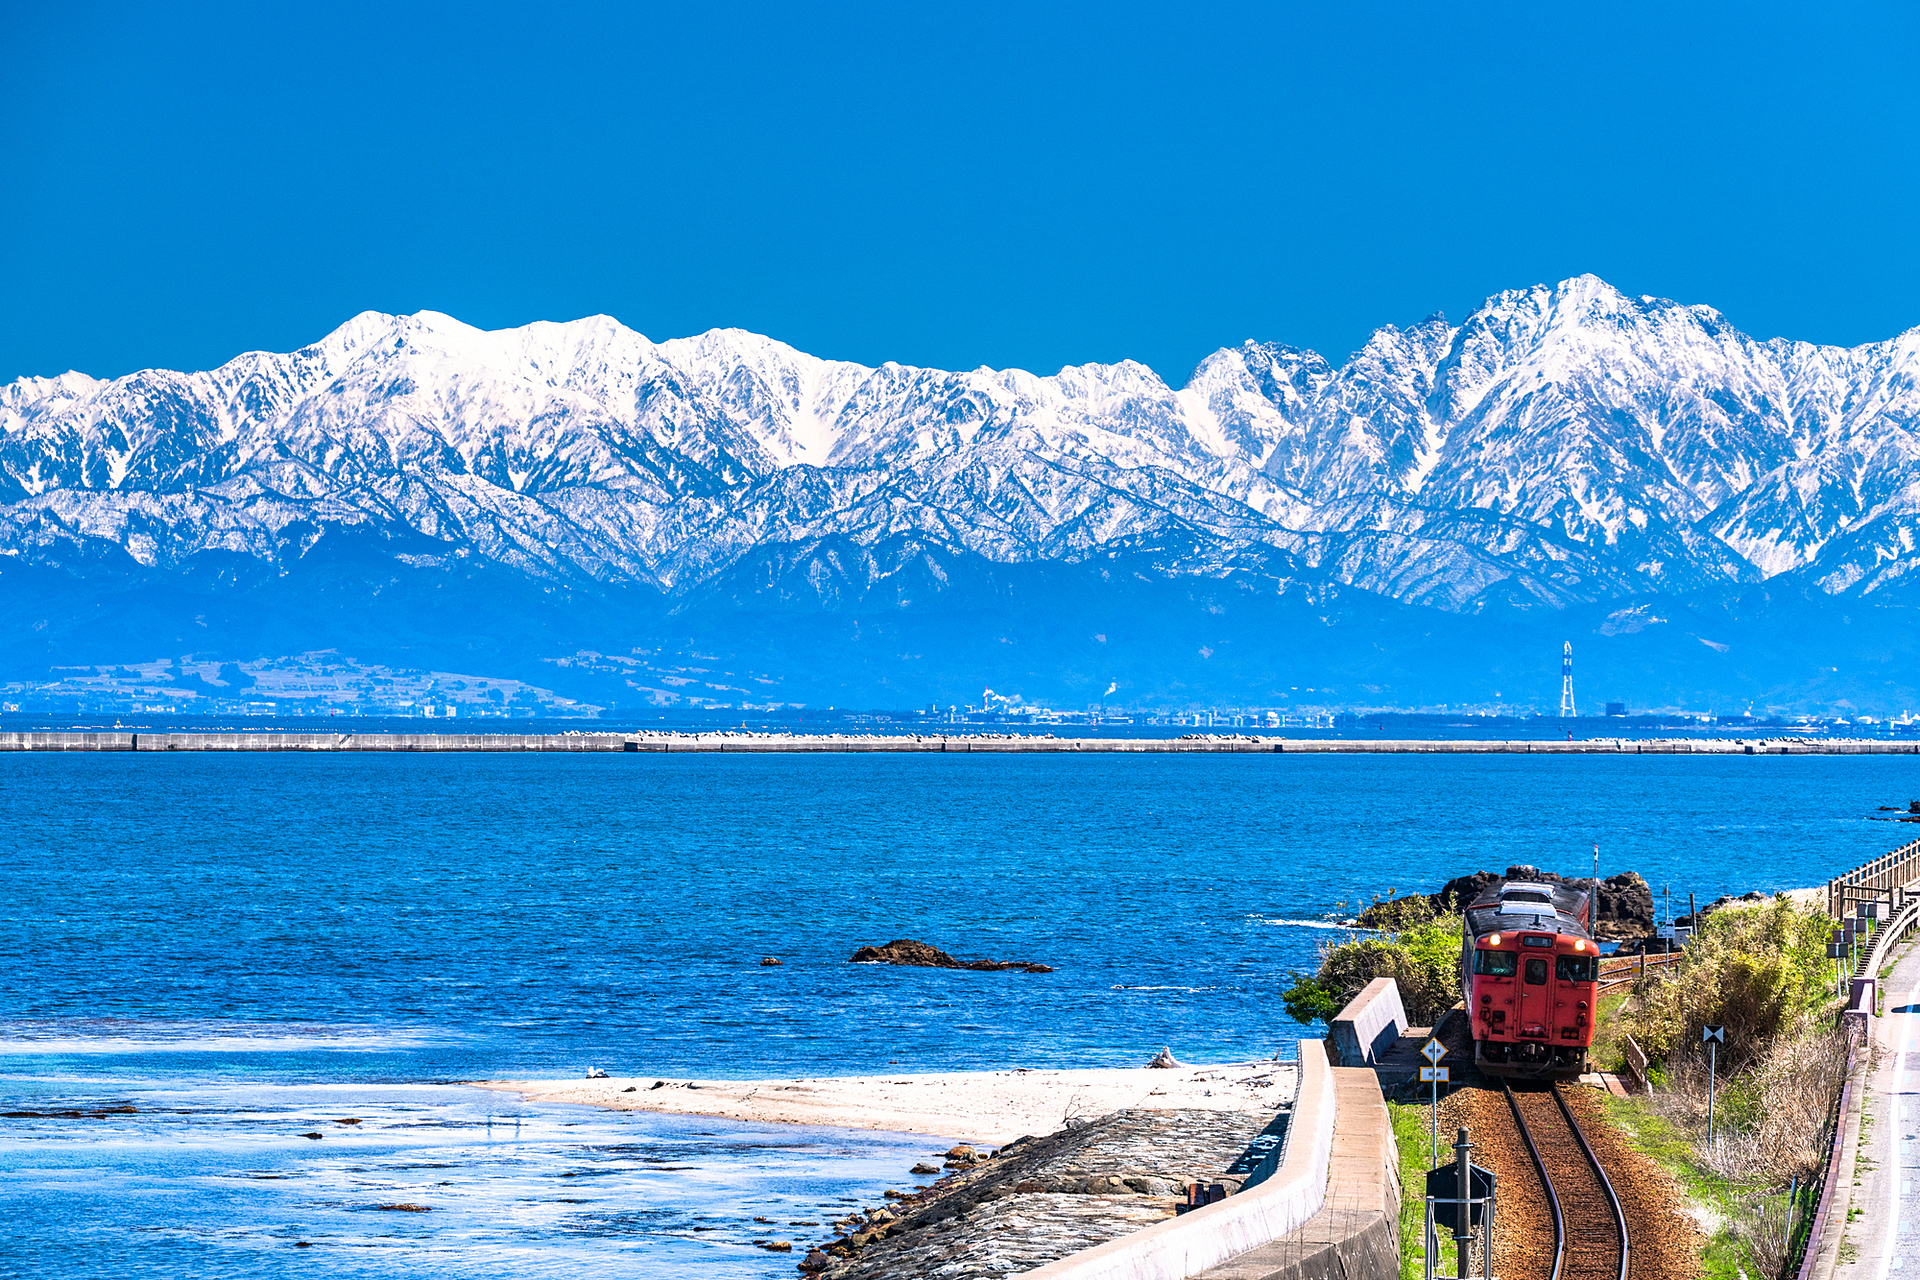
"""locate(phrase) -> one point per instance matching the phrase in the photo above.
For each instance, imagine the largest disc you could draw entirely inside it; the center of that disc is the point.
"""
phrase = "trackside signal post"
(1460, 1198)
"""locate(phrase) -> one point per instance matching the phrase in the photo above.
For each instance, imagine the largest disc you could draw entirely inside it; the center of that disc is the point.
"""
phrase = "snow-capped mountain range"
(1569, 442)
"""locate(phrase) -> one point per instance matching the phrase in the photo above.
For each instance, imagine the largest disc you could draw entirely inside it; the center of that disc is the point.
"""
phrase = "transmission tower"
(1566, 682)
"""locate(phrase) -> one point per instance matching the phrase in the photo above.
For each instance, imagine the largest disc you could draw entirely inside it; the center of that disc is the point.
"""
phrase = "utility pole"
(1593, 904)
(1463, 1215)
(1566, 681)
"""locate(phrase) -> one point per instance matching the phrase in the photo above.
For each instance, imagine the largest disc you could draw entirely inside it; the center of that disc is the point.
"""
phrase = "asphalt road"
(1885, 1234)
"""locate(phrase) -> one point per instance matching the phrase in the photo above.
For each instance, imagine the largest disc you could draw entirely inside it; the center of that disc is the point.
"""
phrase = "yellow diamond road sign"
(1433, 1051)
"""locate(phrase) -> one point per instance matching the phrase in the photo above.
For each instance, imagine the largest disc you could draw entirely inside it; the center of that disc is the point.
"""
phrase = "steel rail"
(1619, 1214)
(1540, 1168)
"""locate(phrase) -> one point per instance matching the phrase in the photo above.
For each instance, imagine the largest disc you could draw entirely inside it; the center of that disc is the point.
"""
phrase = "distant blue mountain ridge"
(1715, 521)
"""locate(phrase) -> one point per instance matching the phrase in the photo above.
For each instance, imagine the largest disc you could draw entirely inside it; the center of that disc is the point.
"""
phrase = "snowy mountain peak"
(1564, 442)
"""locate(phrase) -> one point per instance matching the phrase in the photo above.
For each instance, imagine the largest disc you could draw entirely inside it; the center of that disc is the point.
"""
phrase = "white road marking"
(1887, 1261)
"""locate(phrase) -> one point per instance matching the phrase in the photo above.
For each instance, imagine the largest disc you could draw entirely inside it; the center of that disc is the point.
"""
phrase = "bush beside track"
(1418, 947)
(1762, 972)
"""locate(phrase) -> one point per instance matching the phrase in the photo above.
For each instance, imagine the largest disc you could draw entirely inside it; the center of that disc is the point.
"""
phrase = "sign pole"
(1713, 1056)
(1714, 1037)
(1433, 1051)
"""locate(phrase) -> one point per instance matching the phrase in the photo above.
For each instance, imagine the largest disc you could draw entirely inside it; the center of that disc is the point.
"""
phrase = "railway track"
(1589, 1226)
(1614, 973)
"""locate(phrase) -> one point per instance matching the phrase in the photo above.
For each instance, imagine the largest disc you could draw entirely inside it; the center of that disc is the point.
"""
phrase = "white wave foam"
(1302, 924)
(66, 1036)
(1121, 986)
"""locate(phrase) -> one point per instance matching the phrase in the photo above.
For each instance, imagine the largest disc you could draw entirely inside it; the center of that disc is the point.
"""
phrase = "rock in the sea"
(768, 962)
(908, 951)
(923, 1168)
(778, 1246)
(815, 1261)
(1624, 909)
(1164, 1059)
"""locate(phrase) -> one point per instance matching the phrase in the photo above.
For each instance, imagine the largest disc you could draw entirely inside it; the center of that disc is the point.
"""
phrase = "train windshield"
(1495, 964)
(1577, 968)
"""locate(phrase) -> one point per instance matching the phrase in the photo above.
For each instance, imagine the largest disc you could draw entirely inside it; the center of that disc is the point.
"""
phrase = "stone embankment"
(1040, 1199)
(51, 740)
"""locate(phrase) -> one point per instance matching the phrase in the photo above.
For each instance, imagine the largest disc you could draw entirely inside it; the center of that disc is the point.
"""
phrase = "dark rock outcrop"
(1624, 909)
(907, 951)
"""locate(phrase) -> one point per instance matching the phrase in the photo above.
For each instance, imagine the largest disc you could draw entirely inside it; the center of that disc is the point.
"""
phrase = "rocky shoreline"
(996, 1214)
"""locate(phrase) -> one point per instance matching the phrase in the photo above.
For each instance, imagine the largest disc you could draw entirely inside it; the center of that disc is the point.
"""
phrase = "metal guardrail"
(1884, 879)
(1874, 958)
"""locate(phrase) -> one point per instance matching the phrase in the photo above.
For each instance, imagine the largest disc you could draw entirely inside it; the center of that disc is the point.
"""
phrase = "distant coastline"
(742, 741)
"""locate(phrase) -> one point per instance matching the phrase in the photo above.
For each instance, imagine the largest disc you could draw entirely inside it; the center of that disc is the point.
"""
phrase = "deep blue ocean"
(204, 957)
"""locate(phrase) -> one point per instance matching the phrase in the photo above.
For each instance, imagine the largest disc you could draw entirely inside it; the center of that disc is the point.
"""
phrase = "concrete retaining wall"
(1188, 1245)
(1371, 1024)
(1356, 1234)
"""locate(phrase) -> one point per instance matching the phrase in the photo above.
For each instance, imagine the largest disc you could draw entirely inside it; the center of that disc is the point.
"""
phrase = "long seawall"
(56, 740)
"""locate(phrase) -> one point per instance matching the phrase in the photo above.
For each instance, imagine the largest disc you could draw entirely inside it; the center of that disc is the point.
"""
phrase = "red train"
(1530, 966)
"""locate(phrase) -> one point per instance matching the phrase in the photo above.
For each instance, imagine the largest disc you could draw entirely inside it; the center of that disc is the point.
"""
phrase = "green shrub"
(1760, 971)
(1422, 956)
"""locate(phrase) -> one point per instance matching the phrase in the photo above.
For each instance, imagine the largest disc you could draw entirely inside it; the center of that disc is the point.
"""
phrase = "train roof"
(1508, 905)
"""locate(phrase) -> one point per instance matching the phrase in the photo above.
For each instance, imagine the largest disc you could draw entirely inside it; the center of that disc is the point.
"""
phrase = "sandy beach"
(992, 1107)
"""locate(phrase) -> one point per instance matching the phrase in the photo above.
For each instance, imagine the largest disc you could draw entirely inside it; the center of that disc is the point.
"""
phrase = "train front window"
(1577, 968)
(1494, 964)
(1536, 971)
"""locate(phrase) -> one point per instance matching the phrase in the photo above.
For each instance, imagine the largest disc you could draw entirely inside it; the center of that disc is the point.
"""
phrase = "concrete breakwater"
(1042, 1199)
(58, 740)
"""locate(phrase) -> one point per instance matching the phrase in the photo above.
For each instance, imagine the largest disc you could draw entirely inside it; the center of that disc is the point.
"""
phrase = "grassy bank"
(1410, 1135)
(1762, 973)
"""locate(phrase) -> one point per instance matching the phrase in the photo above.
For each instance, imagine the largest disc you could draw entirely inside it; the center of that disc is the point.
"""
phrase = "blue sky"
(944, 185)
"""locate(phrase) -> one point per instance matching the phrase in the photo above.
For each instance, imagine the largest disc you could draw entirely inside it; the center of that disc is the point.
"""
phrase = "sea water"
(205, 957)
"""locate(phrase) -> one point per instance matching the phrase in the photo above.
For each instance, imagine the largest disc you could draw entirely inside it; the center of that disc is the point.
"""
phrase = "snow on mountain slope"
(1567, 443)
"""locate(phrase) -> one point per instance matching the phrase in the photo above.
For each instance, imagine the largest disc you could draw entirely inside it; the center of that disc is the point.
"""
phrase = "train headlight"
(1494, 940)
(1579, 944)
